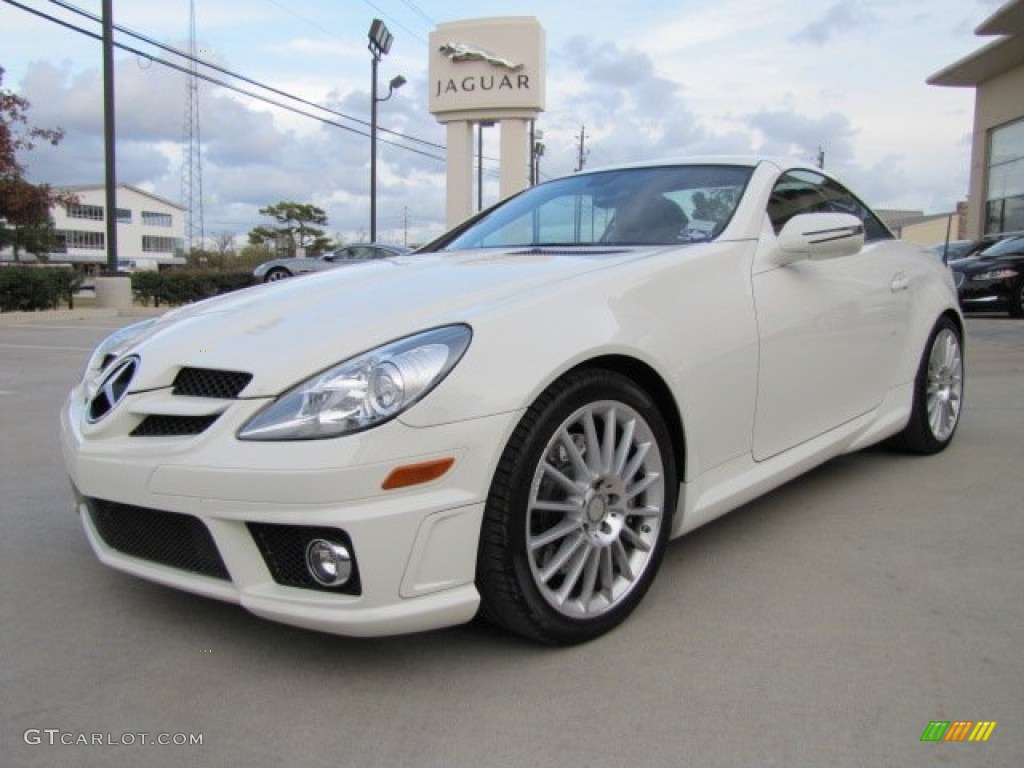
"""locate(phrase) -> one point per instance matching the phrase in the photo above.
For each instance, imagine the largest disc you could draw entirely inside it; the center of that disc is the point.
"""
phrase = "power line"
(418, 10)
(300, 16)
(394, 21)
(223, 84)
(223, 70)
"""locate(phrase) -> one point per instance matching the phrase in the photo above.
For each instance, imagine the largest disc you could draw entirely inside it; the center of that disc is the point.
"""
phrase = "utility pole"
(536, 152)
(821, 157)
(405, 225)
(581, 158)
(109, 134)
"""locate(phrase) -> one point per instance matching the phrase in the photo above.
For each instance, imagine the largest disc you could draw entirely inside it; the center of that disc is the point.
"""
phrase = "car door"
(831, 331)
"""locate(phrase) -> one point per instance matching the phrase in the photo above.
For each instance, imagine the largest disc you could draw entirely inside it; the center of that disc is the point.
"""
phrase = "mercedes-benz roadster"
(513, 421)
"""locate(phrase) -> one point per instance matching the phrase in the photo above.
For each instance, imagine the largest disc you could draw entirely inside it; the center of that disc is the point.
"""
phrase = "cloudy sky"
(648, 79)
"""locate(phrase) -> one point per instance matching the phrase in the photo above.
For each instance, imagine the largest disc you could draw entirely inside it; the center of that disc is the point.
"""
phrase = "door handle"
(899, 283)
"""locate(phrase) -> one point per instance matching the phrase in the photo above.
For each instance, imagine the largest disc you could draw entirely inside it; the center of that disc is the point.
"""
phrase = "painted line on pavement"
(42, 346)
(40, 327)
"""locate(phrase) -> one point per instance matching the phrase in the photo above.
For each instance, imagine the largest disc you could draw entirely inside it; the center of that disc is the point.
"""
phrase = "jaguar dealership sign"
(485, 65)
(485, 72)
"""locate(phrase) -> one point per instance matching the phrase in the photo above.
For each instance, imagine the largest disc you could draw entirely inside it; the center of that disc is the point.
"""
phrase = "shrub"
(185, 286)
(25, 288)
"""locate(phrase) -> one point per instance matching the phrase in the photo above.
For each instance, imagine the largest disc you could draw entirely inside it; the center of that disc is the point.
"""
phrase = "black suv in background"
(992, 279)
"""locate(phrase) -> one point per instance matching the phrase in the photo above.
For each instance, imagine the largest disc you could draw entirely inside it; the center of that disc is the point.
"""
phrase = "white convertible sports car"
(514, 420)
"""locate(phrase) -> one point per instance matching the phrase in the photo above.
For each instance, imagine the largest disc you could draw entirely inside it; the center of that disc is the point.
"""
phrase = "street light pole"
(380, 43)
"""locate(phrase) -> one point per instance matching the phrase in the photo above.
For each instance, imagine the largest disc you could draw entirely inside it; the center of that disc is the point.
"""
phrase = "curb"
(86, 313)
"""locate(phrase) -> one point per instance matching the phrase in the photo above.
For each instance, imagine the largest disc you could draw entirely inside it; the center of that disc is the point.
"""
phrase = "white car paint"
(773, 365)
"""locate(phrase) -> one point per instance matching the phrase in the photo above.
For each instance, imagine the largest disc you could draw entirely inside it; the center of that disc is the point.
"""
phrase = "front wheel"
(278, 273)
(579, 510)
(938, 392)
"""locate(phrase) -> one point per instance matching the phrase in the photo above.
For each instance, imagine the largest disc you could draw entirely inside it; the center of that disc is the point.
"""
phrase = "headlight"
(995, 274)
(115, 344)
(363, 392)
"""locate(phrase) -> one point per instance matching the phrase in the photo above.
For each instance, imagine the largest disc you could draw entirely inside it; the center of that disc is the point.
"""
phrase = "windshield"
(1011, 245)
(636, 206)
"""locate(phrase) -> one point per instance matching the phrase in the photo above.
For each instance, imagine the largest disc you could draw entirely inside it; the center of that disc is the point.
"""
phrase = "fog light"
(329, 563)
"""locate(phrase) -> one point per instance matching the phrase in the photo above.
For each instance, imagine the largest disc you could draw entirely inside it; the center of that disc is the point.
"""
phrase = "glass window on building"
(124, 216)
(77, 239)
(152, 244)
(92, 212)
(1004, 206)
(154, 219)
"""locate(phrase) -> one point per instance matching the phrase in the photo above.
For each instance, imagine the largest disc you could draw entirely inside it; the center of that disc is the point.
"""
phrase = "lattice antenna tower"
(191, 147)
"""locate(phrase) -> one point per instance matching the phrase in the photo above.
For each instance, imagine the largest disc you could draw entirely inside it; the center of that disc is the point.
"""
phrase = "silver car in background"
(279, 269)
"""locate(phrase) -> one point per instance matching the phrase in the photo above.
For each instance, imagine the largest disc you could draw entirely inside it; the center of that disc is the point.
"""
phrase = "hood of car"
(977, 264)
(284, 332)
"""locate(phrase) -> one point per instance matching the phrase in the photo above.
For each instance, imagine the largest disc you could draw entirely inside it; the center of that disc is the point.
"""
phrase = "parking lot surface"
(826, 624)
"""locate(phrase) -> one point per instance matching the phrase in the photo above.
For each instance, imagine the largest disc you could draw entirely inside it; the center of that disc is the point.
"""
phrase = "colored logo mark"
(958, 730)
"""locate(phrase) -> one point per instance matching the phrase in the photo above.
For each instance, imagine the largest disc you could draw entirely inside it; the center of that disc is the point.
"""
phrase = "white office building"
(150, 230)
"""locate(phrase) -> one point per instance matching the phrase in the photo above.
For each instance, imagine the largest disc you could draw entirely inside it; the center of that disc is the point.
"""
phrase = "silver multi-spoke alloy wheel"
(945, 384)
(938, 391)
(595, 510)
(579, 510)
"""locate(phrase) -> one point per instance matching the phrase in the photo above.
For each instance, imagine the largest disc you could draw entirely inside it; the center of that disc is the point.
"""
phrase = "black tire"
(608, 535)
(1017, 300)
(938, 392)
(277, 273)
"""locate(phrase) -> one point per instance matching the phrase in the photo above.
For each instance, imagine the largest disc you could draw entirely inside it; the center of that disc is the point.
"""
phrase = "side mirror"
(819, 236)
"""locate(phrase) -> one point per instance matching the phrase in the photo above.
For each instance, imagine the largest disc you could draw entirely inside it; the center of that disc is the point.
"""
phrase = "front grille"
(209, 382)
(284, 551)
(168, 538)
(173, 426)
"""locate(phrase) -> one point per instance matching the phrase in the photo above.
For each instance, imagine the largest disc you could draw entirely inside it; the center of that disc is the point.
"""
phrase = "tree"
(25, 221)
(716, 205)
(251, 255)
(296, 229)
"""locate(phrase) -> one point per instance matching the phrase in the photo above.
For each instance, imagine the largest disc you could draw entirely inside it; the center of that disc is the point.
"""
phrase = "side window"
(809, 192)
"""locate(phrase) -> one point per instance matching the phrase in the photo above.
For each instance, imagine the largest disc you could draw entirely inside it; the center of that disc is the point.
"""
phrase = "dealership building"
(996, 72)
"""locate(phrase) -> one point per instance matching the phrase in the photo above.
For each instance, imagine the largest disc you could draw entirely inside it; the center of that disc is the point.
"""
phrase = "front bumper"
(985, 294)
(414, 548)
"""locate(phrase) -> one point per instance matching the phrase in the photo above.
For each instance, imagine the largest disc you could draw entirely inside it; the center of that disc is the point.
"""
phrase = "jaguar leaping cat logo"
(463, 52)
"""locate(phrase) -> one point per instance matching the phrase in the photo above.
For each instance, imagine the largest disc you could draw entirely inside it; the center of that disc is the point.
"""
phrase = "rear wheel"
(938, 392)
(579, 511)
(278, 273)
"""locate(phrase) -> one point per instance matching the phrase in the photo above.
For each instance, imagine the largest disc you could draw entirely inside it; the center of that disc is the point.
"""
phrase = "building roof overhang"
(995, 59)
(1008, 20)
(85, 187)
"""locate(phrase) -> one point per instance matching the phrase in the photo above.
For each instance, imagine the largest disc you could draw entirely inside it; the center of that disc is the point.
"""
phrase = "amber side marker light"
(415, 474)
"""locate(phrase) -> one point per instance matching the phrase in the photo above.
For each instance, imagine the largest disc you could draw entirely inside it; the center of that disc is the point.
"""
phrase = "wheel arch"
(958, 321)
(654, 385)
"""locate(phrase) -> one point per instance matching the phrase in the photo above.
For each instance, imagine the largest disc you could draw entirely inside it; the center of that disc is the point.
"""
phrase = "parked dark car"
(279, 269)
(959, 249)
(994, 279)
